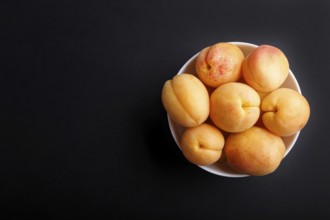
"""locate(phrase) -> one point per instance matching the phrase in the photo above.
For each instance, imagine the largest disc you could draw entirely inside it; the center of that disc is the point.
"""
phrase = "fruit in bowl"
(259, 120)
(234, 107)
(254, 151)
(203, 144)
(219, 64)
(265, 68)
(285, 112)
(186, 100)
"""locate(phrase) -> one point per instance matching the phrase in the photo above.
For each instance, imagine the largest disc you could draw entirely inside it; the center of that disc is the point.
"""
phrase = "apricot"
(255, 151)
(186, 100)
(285, 111)
(234, 107)
(202, 145)
(265, 68)
(219, 64)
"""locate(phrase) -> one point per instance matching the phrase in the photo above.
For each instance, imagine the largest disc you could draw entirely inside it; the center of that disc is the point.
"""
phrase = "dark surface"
(83, 130)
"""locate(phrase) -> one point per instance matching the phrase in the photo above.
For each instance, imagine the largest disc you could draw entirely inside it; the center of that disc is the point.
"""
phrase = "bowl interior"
(222, 168)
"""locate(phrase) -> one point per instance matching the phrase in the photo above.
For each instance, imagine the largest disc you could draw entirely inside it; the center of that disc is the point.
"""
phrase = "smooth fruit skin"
(256, 151)
(265, 68)
(234, 107)
(285, 112)
(186, 100)
(203, 144)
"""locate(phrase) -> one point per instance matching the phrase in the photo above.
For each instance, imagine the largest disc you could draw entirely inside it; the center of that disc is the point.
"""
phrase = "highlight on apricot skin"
(219, 64)
(265, 68)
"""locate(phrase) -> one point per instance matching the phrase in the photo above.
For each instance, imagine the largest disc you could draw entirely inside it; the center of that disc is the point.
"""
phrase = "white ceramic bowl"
(222, 168)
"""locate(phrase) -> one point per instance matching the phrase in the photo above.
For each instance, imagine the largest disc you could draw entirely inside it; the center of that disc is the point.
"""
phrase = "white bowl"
(222, 168)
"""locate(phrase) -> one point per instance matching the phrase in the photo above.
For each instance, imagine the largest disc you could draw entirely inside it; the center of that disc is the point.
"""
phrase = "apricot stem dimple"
(208, 66)
(273, 110)
(201, 146)
(208, 59)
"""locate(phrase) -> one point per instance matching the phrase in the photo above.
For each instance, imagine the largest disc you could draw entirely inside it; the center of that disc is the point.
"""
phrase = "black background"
(83, 130)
